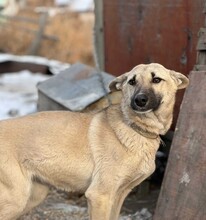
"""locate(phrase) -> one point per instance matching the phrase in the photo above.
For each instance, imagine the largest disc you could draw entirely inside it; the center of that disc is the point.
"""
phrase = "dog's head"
(147, 87)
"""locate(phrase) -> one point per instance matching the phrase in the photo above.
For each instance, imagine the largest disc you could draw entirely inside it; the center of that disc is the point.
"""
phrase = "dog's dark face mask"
(145, 100)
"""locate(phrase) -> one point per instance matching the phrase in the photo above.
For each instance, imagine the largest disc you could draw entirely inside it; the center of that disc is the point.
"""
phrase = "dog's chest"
(138, 156)
(147, 164)
(140, 164)
(140, 152)
(128, 153)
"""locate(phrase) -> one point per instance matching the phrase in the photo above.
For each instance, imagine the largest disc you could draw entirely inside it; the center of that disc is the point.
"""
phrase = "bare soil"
(60, 205)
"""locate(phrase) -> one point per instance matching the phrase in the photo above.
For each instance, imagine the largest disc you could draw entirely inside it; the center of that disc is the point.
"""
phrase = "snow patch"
(144, 214)
(18, 93)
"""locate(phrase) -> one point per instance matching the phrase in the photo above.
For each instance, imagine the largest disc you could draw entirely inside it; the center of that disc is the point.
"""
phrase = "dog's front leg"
(106, 194)
(101, 196)
(122, 193)
(100, 203)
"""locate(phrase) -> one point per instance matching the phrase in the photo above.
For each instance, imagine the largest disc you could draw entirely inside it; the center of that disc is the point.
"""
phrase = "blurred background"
(67, 32)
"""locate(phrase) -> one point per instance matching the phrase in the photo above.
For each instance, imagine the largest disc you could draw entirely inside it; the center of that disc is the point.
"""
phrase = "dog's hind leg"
(15, 187)
(38, 194)
(12, 201)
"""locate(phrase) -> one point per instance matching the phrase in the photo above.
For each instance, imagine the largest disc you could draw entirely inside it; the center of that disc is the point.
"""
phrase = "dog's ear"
(181, 80)
(117, 83)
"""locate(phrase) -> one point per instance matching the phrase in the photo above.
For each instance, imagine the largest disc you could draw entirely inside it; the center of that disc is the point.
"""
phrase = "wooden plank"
(14, 66)
(183, 193)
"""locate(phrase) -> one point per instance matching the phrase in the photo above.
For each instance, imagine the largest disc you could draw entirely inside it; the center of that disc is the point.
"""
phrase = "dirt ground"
(60, 205)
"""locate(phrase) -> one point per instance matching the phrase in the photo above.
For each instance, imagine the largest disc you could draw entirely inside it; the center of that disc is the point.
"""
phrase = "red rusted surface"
(145, 31)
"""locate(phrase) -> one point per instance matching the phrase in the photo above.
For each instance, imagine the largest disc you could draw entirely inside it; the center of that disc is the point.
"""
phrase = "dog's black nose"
(141, 100)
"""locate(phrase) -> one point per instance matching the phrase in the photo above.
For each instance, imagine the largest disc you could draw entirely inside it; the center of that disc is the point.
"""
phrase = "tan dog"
(104, 155)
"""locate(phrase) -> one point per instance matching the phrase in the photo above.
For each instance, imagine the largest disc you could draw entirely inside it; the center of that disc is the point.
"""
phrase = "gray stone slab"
(76, 87)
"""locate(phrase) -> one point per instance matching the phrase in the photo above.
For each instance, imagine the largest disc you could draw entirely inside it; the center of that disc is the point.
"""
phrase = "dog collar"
(142, 132)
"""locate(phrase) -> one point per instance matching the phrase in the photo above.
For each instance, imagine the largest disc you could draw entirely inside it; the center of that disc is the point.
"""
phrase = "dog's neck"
(142, 132)
(150, 124)
(129, 135)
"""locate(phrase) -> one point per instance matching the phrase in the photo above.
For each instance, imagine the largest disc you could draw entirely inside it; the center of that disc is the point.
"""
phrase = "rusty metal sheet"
(163, 31)
(145, 31)
(77, 87)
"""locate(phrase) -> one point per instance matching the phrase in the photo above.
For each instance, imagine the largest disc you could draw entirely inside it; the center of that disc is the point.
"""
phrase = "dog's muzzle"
(140, 100)
(145, 101)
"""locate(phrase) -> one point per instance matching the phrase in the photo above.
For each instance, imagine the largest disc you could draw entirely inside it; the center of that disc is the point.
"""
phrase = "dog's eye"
(132, 82)
(156, 80)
